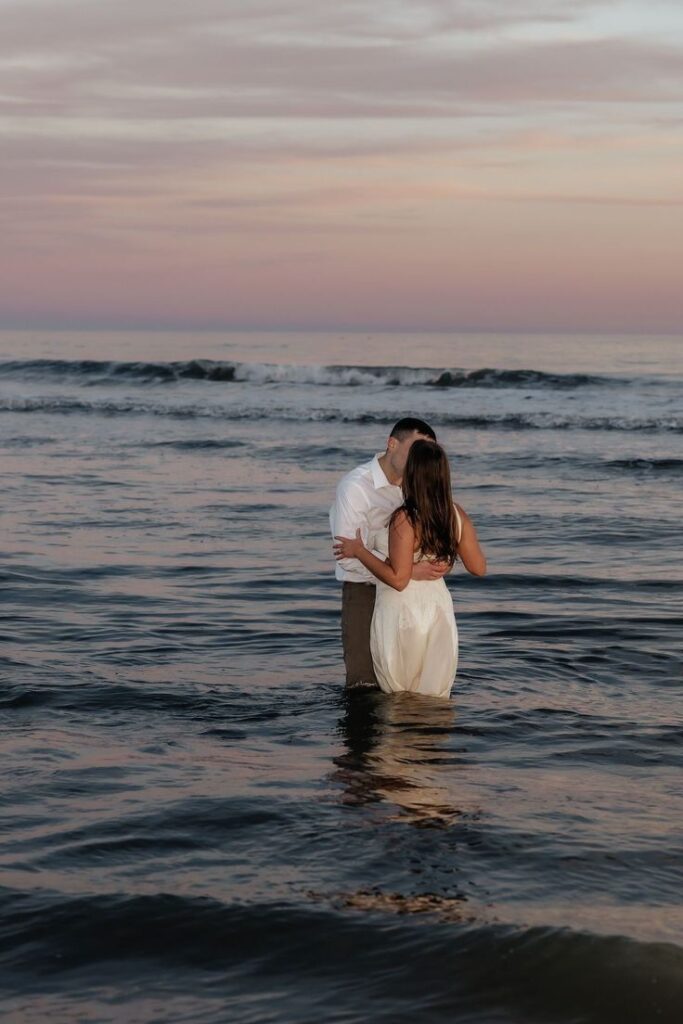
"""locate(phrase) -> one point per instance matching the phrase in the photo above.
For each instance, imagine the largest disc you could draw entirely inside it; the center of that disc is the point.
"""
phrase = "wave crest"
(108, 371)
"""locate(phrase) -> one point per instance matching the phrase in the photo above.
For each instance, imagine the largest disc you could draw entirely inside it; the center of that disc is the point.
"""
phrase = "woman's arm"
(469, 549)
(397, 570)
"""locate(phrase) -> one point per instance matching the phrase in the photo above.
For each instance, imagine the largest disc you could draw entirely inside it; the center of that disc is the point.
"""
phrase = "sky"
(484, 165)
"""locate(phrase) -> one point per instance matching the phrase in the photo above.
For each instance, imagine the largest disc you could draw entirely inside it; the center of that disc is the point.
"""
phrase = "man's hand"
(425, 571)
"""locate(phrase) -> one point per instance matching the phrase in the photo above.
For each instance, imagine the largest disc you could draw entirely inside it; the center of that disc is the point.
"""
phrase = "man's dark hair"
(405, 427)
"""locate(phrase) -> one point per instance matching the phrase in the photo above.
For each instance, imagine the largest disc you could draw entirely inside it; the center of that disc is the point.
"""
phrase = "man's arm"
(395, 571)
(348, 514)
(426, 570)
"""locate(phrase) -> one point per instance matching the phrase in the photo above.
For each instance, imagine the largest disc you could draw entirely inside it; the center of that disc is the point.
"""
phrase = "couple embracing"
(397, 532)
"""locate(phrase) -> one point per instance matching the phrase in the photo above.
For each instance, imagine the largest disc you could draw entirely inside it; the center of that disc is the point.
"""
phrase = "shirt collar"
(378, 475)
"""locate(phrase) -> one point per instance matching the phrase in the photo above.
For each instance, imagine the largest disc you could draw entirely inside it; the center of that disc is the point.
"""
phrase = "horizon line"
(337, 329)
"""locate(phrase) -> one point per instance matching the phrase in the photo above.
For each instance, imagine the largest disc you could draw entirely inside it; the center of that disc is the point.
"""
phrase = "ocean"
(199, 824)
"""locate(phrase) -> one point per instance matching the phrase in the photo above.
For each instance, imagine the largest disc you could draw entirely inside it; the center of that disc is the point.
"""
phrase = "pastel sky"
(435, 164)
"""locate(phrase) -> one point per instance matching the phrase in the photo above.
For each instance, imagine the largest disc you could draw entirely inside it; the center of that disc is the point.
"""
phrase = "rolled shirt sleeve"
(348, 514)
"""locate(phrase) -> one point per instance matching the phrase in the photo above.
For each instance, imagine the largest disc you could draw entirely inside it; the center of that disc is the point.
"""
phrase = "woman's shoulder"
(400, 520)
(460, 517)
(460, 511)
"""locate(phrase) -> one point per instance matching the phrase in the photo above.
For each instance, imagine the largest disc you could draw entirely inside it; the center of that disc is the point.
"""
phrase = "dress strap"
(458, 520)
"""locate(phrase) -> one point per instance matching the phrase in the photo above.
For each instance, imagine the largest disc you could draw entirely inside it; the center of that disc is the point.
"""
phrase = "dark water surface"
(198, 825)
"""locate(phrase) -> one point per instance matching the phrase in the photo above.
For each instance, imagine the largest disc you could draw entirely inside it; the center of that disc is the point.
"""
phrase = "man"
(366, 498)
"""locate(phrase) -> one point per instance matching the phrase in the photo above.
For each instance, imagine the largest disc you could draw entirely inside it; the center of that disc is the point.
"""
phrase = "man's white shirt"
(365, 499)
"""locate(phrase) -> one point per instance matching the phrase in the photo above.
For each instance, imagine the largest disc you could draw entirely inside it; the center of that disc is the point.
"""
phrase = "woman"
(414, 638)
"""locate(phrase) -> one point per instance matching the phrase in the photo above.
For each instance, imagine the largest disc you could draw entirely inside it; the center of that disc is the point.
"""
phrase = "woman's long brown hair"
(428, 502)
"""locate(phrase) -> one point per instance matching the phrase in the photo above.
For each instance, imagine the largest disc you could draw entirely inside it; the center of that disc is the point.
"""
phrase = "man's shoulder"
(356, 476)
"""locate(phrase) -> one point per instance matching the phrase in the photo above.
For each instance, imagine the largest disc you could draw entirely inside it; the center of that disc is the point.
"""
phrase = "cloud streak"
(180, 134)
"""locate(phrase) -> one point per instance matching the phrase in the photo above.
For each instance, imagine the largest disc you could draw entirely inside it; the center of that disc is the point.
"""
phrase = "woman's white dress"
(414, 637)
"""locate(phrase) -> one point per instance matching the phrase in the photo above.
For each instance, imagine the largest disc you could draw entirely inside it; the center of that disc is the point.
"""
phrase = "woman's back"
(414, 637)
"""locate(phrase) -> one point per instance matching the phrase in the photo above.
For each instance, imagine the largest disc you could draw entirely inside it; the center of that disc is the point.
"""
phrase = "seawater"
(199, 824)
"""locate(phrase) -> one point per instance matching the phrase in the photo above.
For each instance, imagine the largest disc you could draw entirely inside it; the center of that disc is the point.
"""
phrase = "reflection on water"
(399, 751)
(448, 908)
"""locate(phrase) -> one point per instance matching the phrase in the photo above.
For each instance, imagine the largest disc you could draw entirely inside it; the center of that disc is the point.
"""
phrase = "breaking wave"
(108, 371)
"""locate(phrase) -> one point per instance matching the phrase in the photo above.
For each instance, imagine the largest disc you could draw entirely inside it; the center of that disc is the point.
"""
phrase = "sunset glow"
(448, 165)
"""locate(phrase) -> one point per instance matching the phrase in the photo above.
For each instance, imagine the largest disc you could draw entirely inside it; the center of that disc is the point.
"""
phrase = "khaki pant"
(358, 603)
